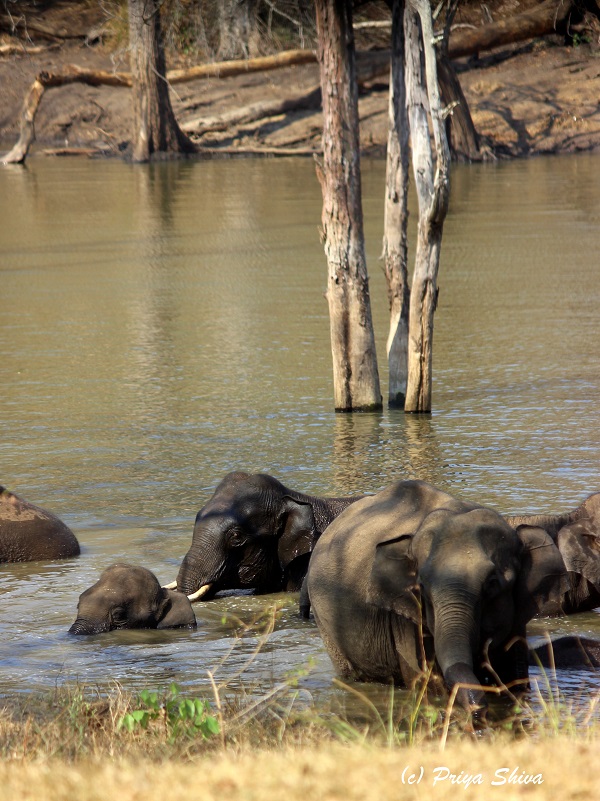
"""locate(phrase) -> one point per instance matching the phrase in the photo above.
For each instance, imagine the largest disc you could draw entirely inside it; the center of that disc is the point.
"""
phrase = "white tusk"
(171, 586)
(199, 593)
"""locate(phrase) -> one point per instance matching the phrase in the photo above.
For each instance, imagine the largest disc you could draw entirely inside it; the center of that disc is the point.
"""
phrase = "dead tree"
(395, 237)
(355, 374)
(155, 127)
(432, 180)
(460, 130)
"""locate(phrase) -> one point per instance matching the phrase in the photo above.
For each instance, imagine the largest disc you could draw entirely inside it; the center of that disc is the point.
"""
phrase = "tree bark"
(395, 236)
(432, 193)
(155, 127)
(355, 374)
(460, 129)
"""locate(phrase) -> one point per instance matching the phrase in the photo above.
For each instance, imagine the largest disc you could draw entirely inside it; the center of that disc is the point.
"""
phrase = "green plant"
(181, 717)
(580, 39)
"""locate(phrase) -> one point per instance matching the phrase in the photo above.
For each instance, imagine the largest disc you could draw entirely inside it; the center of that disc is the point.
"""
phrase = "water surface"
(162, 325)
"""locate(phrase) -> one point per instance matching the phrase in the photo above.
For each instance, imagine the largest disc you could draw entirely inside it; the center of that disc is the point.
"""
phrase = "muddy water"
(162, 325)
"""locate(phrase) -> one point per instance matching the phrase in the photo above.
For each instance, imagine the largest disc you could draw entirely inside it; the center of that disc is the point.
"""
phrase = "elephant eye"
(236, 538)
(493, 586)
(118, 616)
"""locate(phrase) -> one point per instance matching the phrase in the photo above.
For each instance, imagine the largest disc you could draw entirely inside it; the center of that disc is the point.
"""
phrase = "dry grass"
(274, 743)
(362, 773)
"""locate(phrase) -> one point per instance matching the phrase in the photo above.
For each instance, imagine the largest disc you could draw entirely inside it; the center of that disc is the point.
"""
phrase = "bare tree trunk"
(155, 127)
(355, 374)
(395, 255)
(432, 192)
(460, 130)
(238, 28)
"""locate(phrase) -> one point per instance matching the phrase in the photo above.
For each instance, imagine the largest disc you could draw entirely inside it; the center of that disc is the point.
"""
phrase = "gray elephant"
(254, 533)
(567, 652)
(29, 533)
(577, 536)
(413, 560)
(130, 597)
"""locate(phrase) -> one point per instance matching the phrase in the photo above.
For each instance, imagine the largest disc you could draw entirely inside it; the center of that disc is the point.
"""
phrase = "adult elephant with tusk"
(254, 533)
(413, 576)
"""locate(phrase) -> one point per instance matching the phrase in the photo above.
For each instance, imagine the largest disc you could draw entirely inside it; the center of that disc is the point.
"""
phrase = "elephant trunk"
(456, 638)
(199, 569)
(88, 627)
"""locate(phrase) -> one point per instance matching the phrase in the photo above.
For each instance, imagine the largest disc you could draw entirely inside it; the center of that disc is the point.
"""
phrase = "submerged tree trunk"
(395, 255)
(432, 192)
(355, 374)
(155, 127)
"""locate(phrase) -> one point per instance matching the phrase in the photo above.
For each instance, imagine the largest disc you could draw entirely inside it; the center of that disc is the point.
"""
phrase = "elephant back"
(29, 533)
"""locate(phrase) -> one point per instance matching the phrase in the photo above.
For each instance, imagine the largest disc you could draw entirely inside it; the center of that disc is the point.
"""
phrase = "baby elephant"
(130, 597)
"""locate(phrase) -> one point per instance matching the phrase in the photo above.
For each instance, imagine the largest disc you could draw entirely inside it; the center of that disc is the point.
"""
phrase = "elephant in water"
(29, 533)
(130, 597)
(577, 537)
(254, 533)
(567, 652)
(412, 576)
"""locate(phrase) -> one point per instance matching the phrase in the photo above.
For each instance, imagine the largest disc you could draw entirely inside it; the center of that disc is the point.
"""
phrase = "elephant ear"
(175, 611)
(542, 580)
(579, 546)
(299, 534)
(394, 584)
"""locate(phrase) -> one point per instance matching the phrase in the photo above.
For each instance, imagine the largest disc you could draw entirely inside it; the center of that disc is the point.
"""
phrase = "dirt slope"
(538, 97)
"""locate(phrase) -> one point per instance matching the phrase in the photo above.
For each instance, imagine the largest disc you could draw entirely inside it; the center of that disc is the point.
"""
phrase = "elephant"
(29, 533)
(577, 537)
(412, 577)
(130, 597)
(567, 652)
(254, 533)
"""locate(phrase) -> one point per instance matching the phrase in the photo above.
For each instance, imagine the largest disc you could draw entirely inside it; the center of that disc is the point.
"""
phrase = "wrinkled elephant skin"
(413, 558)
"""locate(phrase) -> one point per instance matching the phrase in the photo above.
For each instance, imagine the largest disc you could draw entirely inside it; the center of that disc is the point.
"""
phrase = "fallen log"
(24, 50)
(74, 74)
(20, 24)
(34, 96)
(226, 69)
(539, 21)
(369, 66)
(253, 112)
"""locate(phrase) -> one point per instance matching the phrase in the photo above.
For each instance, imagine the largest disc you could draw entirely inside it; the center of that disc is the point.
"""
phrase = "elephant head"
(130, 597)
(426, 575)
(473, 583)
(577, 536)
(253, 533)
(29, 533)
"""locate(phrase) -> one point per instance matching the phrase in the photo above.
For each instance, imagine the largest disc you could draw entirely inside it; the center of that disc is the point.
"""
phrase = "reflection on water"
(161, 325)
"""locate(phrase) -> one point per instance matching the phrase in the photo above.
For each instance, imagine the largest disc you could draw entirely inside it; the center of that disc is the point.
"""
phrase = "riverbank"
(559, 768)
(75, 744)
(532, 98)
